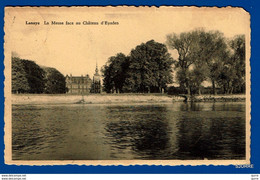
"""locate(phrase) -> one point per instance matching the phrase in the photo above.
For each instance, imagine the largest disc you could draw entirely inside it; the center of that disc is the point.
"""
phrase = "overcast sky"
(75, 49)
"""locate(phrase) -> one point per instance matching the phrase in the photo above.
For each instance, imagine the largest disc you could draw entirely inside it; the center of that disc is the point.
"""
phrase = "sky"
(75, 49)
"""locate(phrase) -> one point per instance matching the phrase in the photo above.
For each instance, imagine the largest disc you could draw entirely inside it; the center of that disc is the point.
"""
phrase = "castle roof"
(78, 77)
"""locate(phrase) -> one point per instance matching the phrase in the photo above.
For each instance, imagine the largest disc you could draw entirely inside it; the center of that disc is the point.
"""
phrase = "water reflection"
(137, 131)
(193, 135)
(212, 135)
(146, 132)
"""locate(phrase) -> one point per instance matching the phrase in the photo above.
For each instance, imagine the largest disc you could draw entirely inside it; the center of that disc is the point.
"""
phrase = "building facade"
(78, 84)
(83, 84)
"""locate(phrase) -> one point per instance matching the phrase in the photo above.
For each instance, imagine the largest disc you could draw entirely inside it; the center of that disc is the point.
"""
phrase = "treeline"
(209, 56)
(202, 57)
(148, 68)
(28, 77)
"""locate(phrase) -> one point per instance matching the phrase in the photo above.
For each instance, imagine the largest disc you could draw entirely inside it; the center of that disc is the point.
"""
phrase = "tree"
(213, 51)
(185, 44)
(54, 81)
(232, 75)
(198, 76)
(238, 59)
(107, 80)
(19, 81)
(28, 77)
(114, 73)
(200, 54)
(150, 68)
(35, 76)
(225, 78)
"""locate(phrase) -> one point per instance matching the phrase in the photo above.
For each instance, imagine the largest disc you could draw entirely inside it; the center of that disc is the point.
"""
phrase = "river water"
(129, 131)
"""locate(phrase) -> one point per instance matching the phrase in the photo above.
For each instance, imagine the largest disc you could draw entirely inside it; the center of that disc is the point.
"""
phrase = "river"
(183, 131)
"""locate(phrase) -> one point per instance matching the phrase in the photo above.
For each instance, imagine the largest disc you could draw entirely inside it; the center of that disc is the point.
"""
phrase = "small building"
(78, 84)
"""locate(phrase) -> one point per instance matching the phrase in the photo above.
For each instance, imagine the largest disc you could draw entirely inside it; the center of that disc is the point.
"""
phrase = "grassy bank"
(219, 98)
(91, 99)
(115, 98)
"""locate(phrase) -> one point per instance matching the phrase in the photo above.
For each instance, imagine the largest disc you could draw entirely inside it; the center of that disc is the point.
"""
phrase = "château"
(78, 84)
(83, 84)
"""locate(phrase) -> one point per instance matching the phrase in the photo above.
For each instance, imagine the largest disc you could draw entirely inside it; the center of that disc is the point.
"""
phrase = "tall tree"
(28, 77)
(212, 49)
(54, 81)
(114, 73)
(239, 62)
(107, 80)
(199, 76)
(19, 81)
(232, 74)
(185, 44)
(35, 76)
(226, 77)
(150, 68)
(200, 54)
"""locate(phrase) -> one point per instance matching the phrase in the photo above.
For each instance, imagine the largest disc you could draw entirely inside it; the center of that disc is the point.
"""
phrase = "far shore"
(118, 98)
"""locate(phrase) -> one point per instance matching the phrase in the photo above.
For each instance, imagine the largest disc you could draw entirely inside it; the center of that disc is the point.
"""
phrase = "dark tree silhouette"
(35, 76)
(28, 77)
(150, 68)
(54, 81)
(19, 80)
(115, 72)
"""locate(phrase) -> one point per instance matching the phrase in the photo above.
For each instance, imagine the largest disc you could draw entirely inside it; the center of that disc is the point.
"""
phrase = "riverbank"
(117, 98)
(91, 99)
(219, 98)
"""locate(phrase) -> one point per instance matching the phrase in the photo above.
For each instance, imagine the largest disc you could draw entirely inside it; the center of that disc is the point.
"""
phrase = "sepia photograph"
(127, 85)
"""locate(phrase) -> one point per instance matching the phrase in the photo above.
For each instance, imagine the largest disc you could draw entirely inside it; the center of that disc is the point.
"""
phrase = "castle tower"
(96, 86)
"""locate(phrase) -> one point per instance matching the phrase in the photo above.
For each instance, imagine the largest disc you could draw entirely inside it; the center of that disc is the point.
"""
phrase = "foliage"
(19, 81)
(208, 56)
(150, 68)
(232, 75)
(114, 73)
(147, 69)
(238, 59)
(185, 44)
(35, 76)
(212, 51)
(54, 81)
(28, 77)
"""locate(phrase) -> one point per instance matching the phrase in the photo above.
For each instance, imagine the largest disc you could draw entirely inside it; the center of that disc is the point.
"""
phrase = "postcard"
(127, 85)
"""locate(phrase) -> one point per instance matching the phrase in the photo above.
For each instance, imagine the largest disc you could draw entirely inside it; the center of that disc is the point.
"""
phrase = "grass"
(115, 98)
